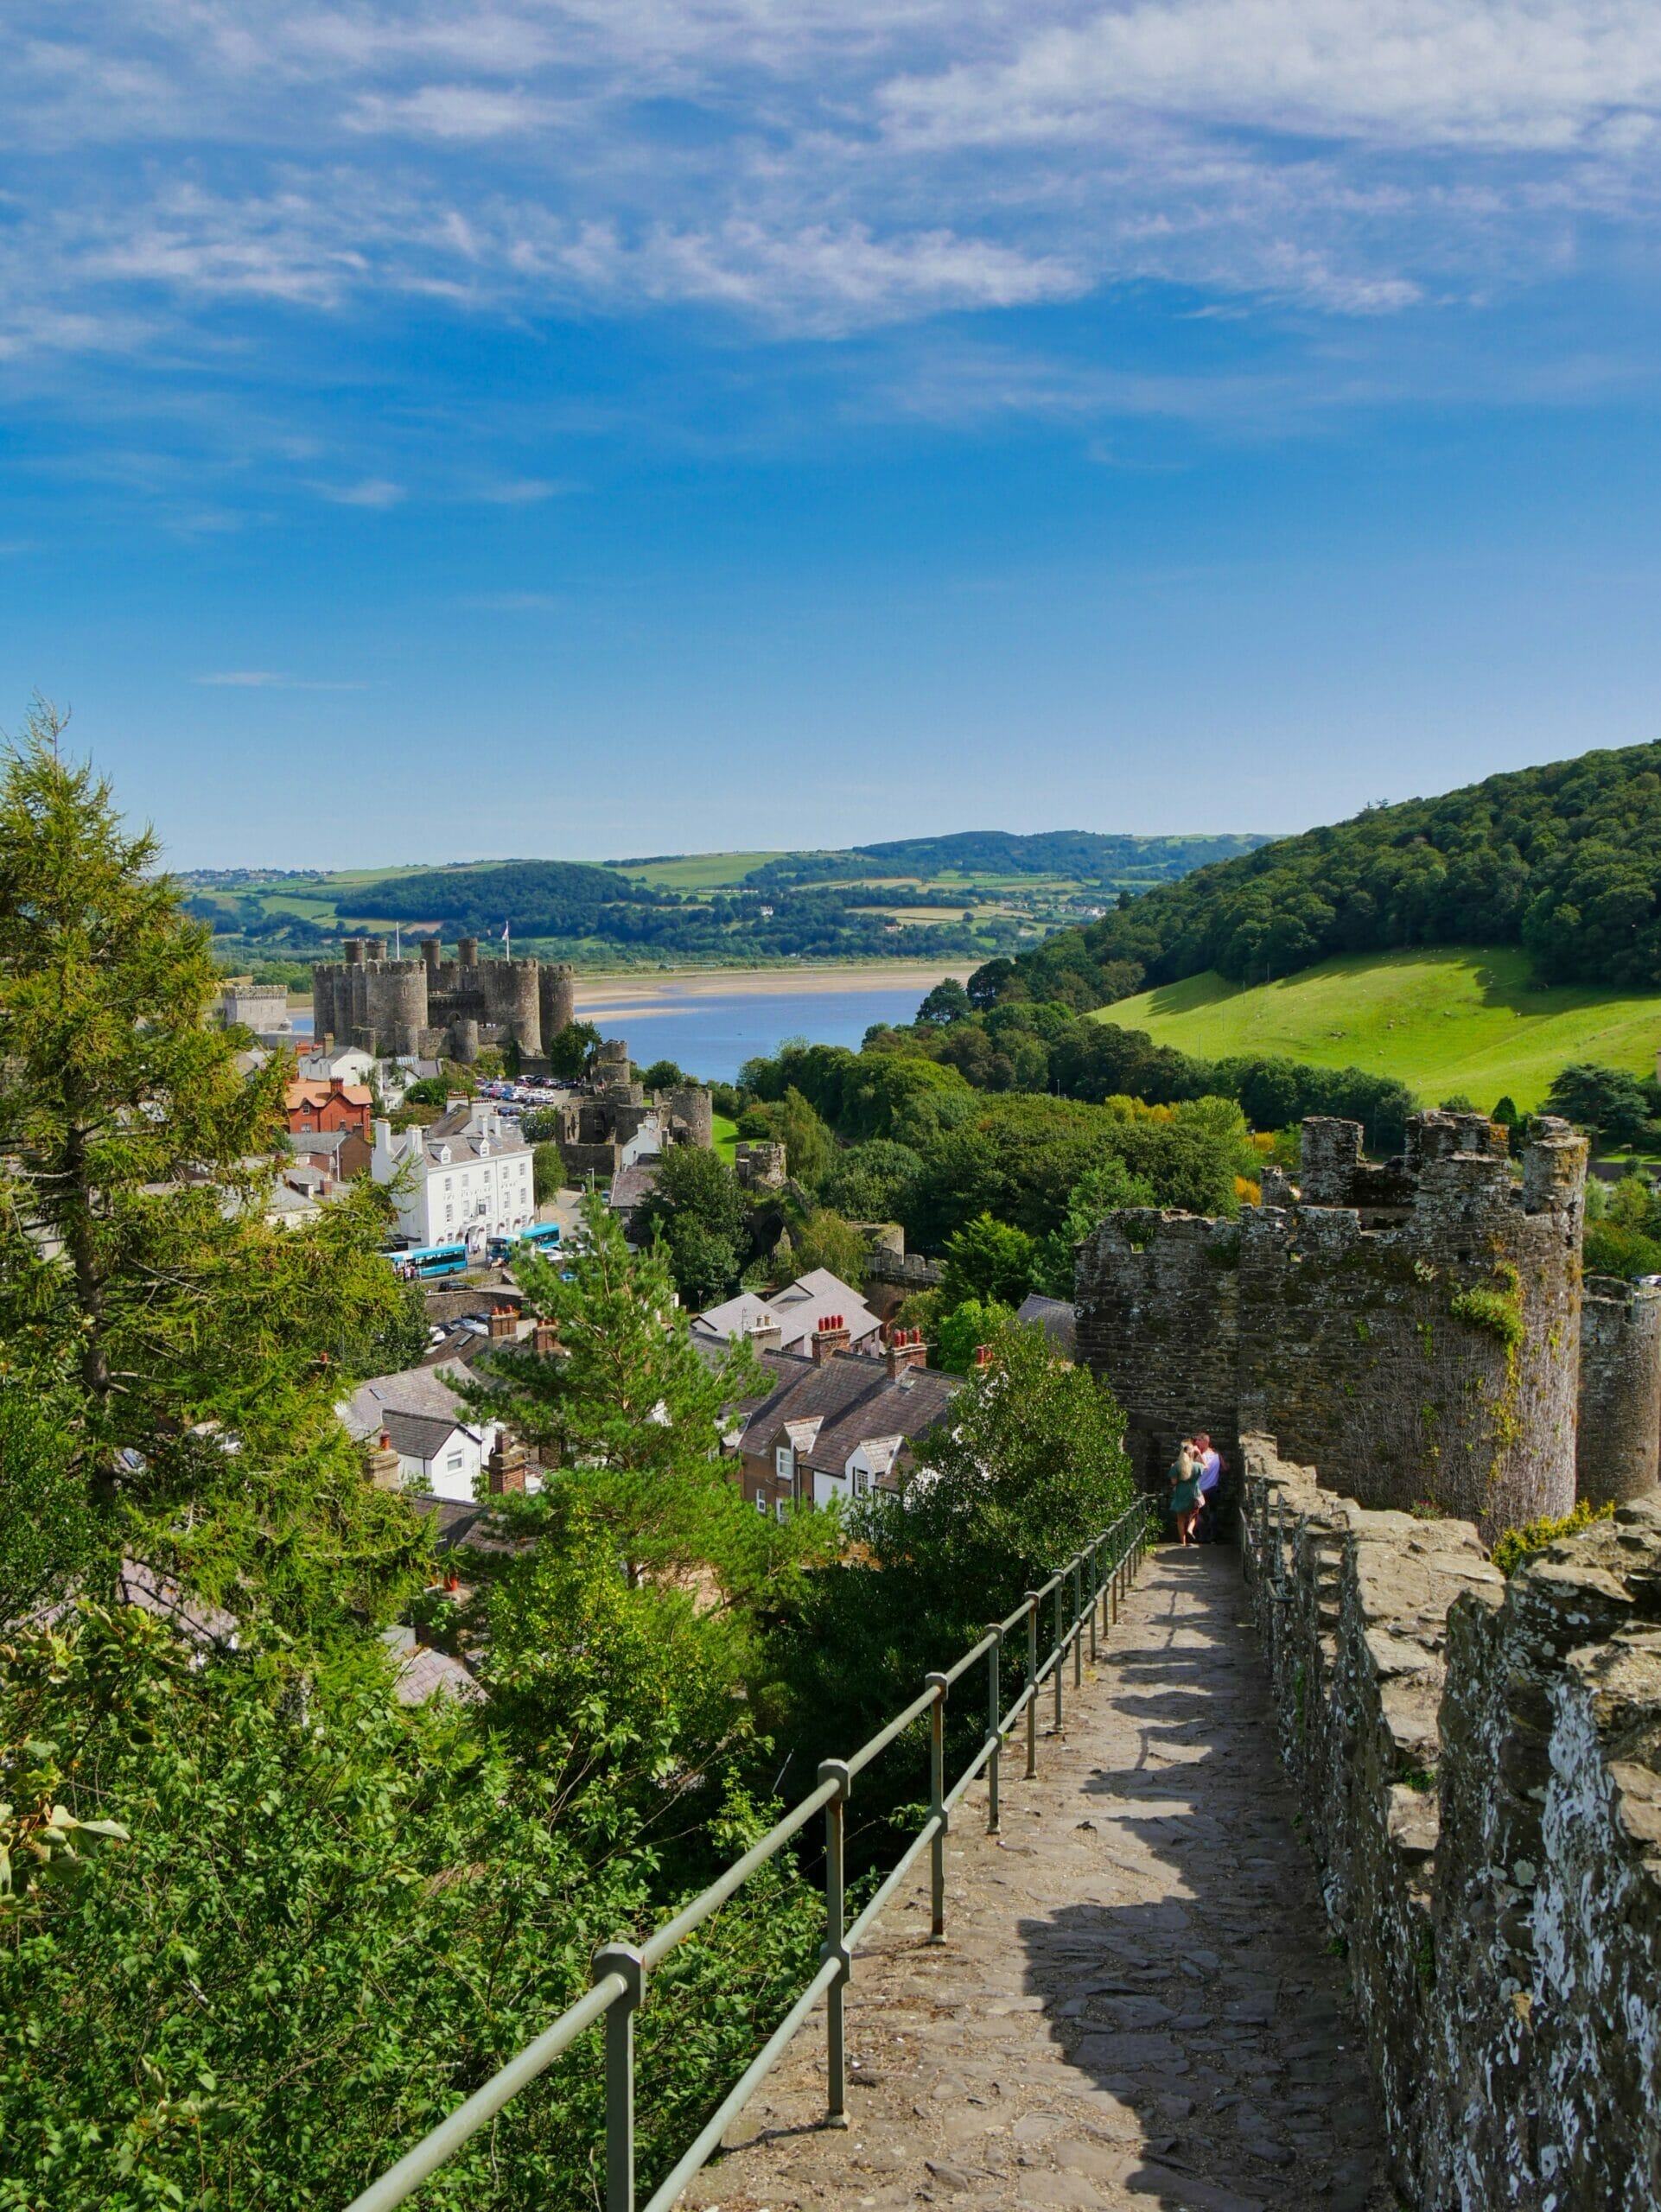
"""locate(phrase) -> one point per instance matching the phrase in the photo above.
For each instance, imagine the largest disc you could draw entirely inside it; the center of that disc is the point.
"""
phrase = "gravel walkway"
(1135, 2003)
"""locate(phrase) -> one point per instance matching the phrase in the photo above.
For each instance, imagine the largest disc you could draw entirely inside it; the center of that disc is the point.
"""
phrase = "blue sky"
(600, 427)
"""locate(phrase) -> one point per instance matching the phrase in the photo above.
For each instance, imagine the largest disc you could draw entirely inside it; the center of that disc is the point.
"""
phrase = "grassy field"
(726, 1136)
(695, 871)
(1443, 1019)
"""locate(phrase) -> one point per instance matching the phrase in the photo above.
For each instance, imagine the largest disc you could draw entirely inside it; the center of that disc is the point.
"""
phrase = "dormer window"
(784, 1463)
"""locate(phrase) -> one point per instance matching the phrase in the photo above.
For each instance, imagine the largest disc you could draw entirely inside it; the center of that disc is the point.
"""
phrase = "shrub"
(1515, 1546)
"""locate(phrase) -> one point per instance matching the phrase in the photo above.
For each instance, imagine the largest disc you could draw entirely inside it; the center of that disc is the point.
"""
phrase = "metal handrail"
(1096, 1580)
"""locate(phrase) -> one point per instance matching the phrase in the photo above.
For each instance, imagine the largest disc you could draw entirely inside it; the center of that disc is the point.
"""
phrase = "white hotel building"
(463, 1180)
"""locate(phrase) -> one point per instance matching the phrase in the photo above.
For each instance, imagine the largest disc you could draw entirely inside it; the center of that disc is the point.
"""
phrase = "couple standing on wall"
(1194, 1477)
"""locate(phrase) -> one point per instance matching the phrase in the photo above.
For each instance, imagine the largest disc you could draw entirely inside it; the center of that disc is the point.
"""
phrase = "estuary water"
(711, 1033)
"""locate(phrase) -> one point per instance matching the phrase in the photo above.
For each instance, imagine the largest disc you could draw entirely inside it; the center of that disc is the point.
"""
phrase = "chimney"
(982, 1357)
(506, 1469)
(906, 1348)
(830, 1337)
(546, 1339)
(769, 1335)
(384, 1470)
(504, 1324)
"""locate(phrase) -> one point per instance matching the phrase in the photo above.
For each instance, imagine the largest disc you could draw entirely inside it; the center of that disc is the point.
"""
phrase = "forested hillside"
(1082, 855)
(1564, 860)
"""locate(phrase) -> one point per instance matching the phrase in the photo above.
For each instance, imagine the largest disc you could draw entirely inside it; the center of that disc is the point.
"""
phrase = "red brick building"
(335, 1104)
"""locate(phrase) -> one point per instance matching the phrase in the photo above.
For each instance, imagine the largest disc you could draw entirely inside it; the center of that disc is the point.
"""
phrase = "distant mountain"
(1084, 854)
(970, 896)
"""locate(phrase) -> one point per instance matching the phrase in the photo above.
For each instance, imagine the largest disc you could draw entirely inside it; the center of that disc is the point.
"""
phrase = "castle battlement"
(1413, 1326)
(438, 1007)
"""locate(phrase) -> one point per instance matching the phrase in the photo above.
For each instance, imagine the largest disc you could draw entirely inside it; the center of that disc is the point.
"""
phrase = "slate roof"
(1058, 1319)
(418, 1394)
(847, 1402)
(797, 1308)
(427, 1674)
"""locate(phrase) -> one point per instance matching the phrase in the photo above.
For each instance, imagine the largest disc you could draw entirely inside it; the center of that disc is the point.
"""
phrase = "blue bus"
(542, 1235)
(422, 1262)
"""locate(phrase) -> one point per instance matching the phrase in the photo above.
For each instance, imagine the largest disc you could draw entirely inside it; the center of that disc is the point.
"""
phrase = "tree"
(1607, 1101)
(697, 1209)
(988, 1259)
(627, 1411)
(827, 1240)
(547, 1173)
(191, 1353)
(960, 1331)
(1027, 1465)
(664, 1075)
(1105, 1187)
(570, 1050)
(870, 1181)
(948, 1001)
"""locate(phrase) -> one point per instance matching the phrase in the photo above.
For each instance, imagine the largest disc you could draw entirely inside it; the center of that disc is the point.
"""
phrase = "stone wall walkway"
(1135, 2005)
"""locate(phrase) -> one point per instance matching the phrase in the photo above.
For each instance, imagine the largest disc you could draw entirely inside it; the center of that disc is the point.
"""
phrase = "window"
(760, 1503)
(784, 1463)
(453, 1462)
(862, 1482)
(784, 1507)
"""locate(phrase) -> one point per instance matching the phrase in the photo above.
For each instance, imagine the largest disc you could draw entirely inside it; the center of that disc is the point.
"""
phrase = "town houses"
(463, 1180)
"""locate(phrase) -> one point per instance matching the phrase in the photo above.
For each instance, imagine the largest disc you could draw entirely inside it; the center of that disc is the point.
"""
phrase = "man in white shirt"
(1210, 1473)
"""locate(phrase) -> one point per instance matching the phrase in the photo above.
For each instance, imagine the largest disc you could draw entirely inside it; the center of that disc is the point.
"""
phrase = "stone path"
(1135, 2004)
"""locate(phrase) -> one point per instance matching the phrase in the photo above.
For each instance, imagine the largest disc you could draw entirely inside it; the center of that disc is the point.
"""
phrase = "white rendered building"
(464, 1180)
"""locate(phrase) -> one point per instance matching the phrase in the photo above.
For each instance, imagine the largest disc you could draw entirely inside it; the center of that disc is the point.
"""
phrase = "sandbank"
(610, 993)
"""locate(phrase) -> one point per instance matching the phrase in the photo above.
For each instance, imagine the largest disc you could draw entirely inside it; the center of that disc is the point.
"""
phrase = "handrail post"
(625, 1959)
(994, 1726)
(1032, 1685)
(836, 1946)
(939, 1684)
(1078, 1624)
(1095, 1592)
(1060, 1649)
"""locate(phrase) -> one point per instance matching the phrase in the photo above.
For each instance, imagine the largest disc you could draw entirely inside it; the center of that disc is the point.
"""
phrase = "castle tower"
(1619, 1446)
(556, 990)
(693, 1107)
(1411, 1329)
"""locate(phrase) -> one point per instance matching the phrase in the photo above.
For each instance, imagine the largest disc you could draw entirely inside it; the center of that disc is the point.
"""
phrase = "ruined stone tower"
(1619, 1441)
(1412, 1329)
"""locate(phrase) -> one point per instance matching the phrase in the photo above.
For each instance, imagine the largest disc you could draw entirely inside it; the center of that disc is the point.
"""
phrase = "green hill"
(1562, 860)
(1443, 1019)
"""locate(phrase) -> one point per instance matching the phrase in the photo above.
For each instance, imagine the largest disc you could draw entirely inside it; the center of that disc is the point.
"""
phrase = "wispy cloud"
(807, 169)
(269, 679)
(368, 492)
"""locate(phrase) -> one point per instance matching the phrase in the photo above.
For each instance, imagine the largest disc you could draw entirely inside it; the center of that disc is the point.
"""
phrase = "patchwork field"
(1443, 1019)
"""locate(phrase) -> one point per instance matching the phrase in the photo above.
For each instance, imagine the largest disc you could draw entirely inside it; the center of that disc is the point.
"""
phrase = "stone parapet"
(1479, 1764)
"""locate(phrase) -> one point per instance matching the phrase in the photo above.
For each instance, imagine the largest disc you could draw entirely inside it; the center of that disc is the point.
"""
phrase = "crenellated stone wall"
(1414, 1327)
(1479, 1763)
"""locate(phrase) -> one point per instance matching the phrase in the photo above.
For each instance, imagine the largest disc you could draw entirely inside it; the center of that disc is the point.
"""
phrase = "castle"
(1418, 1330)
(435, 1007)
(619, 1125)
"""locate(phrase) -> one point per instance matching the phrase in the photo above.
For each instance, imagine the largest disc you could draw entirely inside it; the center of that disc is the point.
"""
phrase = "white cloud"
(267, 679)
(369, 492)
(1531, 74)
(450, 111)
(807, 168)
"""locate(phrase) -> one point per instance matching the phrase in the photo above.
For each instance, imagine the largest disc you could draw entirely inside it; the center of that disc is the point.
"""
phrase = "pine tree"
(189, 1351)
